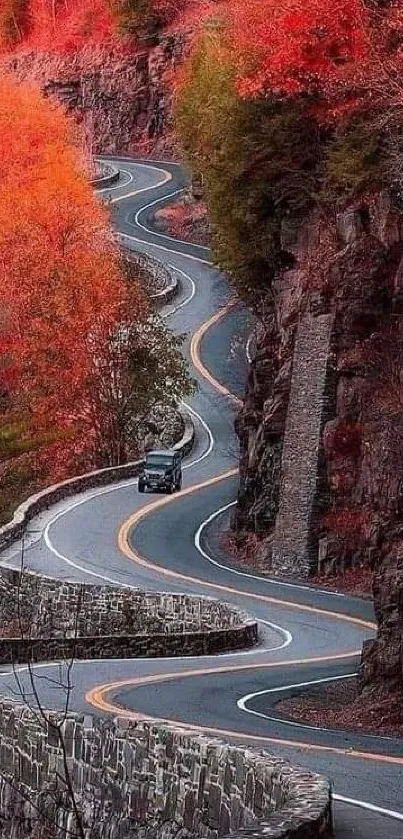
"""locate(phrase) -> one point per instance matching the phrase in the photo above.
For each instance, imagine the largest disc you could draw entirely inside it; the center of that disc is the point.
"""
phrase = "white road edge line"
(362, 804)
(241, 703)
(136, 161)
(164, 198)
(115, 488)
(137, 223)
(167, 177)
(268, 580)
(162, 248)
(248, 350)
(207, 429)
(365, 805)
(188, 298)
(22, 668)
(106, 491)
(124, 484)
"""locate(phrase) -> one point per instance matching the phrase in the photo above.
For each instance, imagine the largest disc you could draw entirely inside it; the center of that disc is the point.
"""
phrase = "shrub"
(354, 161)
(145, 17)
(348, 523)
(345, 439)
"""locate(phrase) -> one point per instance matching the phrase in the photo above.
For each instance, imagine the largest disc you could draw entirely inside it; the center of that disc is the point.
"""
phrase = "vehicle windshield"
(159, 461)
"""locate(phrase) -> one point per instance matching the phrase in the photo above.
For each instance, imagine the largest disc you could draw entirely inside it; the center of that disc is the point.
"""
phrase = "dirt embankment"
(340, 705)
(185, 219)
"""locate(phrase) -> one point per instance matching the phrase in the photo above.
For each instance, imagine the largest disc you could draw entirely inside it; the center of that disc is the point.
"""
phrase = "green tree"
(144, 17)
(259, 159)
(145, 369)
(131, 15)
(356, 160)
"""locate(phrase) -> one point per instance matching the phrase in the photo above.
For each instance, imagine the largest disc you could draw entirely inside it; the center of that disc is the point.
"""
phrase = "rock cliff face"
(118, 96)
(350, 270)
(382, 658)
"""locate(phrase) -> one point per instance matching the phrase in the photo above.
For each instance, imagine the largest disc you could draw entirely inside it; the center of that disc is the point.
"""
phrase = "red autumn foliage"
(63, 25)
(297, 47)
(187, 220)
(56, 25)
(356, 580)
(340, 55)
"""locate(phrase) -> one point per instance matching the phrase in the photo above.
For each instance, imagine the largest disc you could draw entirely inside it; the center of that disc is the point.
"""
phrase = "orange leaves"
(60, 281)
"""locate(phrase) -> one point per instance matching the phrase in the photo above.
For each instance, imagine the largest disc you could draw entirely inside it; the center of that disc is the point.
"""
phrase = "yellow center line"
(97, 698)
(195, 351)
(98, 695)
(134, 520)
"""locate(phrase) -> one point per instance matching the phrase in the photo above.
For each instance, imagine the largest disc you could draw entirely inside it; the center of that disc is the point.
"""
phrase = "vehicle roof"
(161, 452)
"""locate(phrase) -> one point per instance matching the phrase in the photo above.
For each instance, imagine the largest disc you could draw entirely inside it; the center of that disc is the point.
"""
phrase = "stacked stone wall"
(161, 283)
(292, 551)
(147, 781)
(106, 175)
(42, 619)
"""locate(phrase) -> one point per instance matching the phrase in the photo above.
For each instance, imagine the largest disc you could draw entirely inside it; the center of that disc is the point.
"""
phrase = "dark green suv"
(162, 471)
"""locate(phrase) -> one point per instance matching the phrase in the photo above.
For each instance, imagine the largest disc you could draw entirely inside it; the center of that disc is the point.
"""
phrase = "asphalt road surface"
(305, 634)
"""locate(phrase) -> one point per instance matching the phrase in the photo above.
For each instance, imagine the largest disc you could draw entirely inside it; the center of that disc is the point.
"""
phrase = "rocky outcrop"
(349, 267)
(260, 426)
(115, 93)
(382, 658)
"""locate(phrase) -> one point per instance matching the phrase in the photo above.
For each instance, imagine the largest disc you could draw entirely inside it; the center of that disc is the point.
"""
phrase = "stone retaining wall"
(165, 284)
(107, 175)
(42, 619)
(51, 607)
(293, 552)
(177, 644)
(147, 781)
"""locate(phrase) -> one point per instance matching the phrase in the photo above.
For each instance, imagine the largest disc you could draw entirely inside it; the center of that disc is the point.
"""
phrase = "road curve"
(117, 536)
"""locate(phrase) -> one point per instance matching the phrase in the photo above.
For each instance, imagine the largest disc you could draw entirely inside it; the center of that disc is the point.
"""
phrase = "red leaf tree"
(341, 56)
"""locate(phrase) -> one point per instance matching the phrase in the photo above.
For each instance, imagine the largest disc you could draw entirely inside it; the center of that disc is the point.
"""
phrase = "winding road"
(171, 543)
